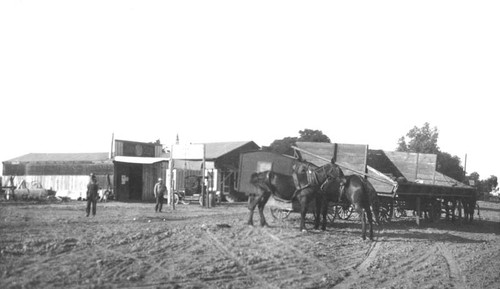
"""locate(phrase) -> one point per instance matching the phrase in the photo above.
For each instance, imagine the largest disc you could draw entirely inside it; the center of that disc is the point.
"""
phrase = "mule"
(363, 197)
(318, 184)
(268, 183)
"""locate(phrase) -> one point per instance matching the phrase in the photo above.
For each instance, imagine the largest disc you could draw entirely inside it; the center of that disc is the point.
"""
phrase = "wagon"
(403, 181)
(352, 158)
(421, 188)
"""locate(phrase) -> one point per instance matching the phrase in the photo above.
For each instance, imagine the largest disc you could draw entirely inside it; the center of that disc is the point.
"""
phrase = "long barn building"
(66, 173)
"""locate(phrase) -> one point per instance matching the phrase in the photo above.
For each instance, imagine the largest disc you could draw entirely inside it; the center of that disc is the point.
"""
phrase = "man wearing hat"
(159, 190)
(92, 188)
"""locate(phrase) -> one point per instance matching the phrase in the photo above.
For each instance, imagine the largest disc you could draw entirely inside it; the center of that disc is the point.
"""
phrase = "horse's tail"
(372, 198)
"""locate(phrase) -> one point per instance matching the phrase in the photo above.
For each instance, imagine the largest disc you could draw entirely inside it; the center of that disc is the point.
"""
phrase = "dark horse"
(361, 194)
(304, 186)
(267, 183)
(316, 183)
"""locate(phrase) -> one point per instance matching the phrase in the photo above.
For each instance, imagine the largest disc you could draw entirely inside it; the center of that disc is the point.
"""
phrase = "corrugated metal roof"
(218, 149)
(139, 160)
(61, 157)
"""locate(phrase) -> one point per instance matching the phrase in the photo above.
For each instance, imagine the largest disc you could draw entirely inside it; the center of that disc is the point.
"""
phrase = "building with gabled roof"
(222, 163)
(65, 173)
(131, 169)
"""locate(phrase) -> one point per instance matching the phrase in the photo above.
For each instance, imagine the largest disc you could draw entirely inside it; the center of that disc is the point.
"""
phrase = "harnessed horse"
(314, 182)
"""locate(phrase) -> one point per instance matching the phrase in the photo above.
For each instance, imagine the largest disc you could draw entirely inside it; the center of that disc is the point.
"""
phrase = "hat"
(160, 179)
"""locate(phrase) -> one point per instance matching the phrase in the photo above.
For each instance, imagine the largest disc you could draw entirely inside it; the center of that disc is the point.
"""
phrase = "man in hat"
(92, 194)
(159, 190)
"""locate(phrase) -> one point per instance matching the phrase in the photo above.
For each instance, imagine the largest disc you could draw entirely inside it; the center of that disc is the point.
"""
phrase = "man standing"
(92, 194)
(159, 190)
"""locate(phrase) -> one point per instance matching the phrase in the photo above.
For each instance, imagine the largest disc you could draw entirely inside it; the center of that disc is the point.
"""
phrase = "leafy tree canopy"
(486, 185)
(284, 146)
(313, 136)
(420, 140)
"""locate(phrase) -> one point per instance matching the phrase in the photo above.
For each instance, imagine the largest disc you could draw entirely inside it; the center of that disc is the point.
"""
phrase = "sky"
(75, 73)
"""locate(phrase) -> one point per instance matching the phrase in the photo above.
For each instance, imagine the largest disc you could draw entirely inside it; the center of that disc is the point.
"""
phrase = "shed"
(137, 167)
(222, 161)
(65, 173)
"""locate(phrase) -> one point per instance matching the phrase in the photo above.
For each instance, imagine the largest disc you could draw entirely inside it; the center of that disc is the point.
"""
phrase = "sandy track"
(129, 246)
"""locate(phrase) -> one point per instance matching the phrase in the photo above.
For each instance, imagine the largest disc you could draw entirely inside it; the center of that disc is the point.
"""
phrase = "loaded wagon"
(350, 157)
(403, 181)
(421, 188)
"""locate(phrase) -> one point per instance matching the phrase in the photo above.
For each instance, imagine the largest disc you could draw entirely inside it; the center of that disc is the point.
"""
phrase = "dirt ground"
(128, 245)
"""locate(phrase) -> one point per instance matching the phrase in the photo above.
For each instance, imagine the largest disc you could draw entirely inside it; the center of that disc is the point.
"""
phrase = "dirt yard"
(128, 245)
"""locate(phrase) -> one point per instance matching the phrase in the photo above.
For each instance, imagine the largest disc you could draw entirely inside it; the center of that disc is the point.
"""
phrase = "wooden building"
(137, 167)
(65, 173)
(222, 162)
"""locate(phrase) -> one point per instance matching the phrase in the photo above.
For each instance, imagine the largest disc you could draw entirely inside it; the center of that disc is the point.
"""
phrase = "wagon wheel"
(398, 212)
(385, 214)
(280, 214)
(345, 211)
(331, 213)
(176, 199)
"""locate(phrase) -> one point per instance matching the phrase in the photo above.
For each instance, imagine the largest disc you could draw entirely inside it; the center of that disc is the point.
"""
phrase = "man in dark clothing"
(159, 190)
(92, 194)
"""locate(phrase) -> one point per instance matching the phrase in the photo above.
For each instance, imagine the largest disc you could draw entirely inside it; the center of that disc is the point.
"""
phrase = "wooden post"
(171, 179)
(204, 180)
(418, 211)
(416, 167)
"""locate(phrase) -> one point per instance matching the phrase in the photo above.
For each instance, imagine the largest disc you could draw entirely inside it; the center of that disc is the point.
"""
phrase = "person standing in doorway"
(92, 194)
(159, 190)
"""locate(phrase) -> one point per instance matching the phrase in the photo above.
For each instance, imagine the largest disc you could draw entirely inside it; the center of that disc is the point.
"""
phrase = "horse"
(315, 183)
(469, 204)
(304, 185)
(267, 183)
(361, 194)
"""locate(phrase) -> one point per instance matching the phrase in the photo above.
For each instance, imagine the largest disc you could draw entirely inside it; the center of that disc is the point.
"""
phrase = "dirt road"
(128, 245)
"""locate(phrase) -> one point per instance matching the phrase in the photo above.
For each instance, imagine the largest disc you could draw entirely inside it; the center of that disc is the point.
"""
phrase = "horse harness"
(312, 179)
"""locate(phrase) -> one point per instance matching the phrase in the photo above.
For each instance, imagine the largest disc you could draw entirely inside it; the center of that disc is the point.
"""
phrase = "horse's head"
(300, 173)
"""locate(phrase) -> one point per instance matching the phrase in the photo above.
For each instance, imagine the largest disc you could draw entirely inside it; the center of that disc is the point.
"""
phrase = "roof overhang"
(139, 160)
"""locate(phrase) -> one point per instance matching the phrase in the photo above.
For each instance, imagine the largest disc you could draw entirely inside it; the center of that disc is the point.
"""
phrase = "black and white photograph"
(249, 144)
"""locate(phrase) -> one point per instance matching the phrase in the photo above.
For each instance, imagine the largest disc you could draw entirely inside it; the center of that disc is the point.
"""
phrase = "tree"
(421, 140)
(284, 146)
(490, 183)
(313, 136)
(474, 177)
(450, 166)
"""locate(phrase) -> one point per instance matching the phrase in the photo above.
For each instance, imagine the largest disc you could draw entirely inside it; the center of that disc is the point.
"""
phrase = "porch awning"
(139, 160)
